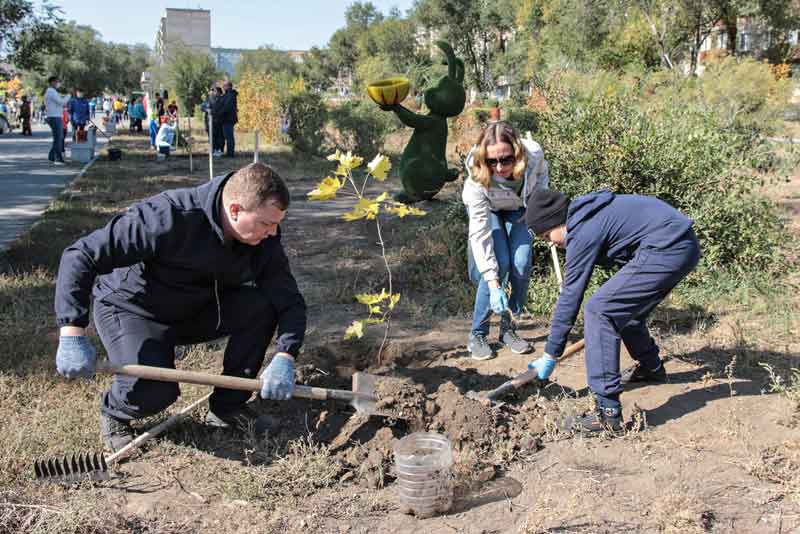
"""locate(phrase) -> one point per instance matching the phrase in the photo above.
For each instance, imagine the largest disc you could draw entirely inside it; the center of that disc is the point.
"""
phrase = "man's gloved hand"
(277, 380)
(75, 357)
(498, 299)
(544, 366)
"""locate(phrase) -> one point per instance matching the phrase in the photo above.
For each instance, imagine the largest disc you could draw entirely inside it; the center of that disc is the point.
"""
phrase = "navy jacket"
(607, 229)
(78, 110)
(165, 258)
(228, 108)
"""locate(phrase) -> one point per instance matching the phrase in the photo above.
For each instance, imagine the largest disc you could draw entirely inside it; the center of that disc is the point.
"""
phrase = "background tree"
(191, 73)
(26, 33)
(86, 61)
(318, 69)
(268, 60)
(475, 30)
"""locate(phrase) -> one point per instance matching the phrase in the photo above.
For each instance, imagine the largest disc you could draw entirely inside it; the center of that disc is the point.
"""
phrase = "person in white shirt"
(54, 106)
(503, 170)
(165, 139)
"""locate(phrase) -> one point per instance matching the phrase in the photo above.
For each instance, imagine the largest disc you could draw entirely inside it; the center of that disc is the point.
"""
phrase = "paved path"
(28, 181)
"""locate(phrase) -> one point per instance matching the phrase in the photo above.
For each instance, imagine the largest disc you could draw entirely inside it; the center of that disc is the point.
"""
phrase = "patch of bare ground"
(711, 451)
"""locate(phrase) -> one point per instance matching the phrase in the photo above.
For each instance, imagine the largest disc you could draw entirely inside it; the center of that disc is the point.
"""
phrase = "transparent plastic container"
(424, 481)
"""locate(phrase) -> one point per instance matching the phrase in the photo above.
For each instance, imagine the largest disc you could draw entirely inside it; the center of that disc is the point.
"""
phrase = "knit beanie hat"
(546, 210)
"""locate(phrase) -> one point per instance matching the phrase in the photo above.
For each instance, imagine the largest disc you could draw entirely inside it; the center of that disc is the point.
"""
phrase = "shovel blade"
(364, 385)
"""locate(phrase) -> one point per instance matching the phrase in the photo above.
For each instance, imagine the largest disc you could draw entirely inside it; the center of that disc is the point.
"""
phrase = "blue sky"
(287, 24)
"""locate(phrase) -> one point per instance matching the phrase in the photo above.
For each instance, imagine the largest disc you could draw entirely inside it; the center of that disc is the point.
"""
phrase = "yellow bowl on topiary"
(389, 92)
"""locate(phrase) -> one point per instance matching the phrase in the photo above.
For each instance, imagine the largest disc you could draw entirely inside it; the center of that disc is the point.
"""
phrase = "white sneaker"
(59, 163)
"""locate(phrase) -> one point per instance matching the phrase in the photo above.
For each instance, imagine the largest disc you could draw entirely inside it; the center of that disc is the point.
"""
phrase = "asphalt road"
(28, 181)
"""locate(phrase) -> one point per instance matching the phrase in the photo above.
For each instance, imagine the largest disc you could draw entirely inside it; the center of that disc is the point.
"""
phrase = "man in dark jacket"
(656, 248)
(184, 267)
(229, 116)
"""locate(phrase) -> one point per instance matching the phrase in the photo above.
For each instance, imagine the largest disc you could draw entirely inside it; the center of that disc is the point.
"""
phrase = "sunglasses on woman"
(505, 161)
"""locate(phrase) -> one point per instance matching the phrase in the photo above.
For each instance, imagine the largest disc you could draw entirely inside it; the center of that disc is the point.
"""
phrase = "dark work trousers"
(230, 142)
(619, 310)
(219, 138)
(246, 316)
(57, 148)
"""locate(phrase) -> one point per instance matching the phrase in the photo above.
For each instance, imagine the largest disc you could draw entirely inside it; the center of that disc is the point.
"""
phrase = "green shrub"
(362, 127)
(677, 154)
(523, 119)
(308, 115)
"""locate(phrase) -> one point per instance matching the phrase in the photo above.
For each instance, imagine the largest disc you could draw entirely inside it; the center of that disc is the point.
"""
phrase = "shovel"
(521, 379)
(94, 466)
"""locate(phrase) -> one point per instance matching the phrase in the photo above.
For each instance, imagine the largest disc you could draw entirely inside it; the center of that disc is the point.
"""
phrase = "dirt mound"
(485, 438)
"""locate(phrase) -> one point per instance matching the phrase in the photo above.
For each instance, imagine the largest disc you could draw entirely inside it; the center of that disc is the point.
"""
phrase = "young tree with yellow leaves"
(348, 181)
(259, 109)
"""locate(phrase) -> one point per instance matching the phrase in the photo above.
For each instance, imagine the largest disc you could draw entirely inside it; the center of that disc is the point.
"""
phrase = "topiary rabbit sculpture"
(423, 166)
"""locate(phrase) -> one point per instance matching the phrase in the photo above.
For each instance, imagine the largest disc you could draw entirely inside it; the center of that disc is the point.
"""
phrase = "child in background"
(164, 139)
(25, 116)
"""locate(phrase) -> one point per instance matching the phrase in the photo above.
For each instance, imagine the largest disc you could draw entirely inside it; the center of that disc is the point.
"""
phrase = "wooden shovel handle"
(532, 374)
(163, 374)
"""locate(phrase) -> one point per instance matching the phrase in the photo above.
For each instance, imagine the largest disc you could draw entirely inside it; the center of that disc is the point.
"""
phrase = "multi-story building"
(186, 27)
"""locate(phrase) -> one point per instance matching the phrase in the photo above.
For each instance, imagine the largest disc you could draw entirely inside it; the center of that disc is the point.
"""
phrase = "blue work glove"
(544, 366)
(498, 299)
(75, 357)
(277, 380)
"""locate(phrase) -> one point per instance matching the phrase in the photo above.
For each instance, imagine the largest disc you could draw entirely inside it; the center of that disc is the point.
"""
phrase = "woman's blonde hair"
(497, 132)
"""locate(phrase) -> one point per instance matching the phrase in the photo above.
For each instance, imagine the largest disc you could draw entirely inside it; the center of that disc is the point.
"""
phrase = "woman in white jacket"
(503, 170)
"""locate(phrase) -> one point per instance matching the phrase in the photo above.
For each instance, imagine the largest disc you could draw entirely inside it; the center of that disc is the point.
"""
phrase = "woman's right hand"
(498, 299)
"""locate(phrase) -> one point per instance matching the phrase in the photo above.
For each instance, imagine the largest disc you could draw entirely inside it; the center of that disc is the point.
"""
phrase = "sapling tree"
(352, 181)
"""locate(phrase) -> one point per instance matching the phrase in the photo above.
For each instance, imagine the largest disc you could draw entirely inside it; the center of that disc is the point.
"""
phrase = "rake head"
(77, 468)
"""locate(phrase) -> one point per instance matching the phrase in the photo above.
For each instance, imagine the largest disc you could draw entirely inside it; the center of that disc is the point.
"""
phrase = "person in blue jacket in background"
(656, 248)
(79, 115)
(179, 268)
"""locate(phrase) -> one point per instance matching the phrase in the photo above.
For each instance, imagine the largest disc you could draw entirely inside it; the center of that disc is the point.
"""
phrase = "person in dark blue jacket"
(79, 114)
(184, 267)
(655, 246)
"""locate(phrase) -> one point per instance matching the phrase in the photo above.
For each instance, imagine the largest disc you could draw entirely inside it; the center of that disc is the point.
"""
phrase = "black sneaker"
(243, 418)
(114, 433)
(639, 373)
(479, 348)
(509, 337)
(608, 420)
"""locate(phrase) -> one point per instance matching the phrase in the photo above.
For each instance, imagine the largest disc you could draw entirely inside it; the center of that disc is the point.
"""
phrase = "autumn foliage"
(259, 108)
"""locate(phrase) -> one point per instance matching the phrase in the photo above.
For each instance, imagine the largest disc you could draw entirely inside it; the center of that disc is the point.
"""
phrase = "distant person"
(165, 139)
(107, 107)
(118, 107)
(55, 103)
(92, 107)
(25, 116)
(42, 113)
(218, 143)
(159, 106)
(229, 116)
(172, 111)
(79, 113)
(205, 107)
(137, 115)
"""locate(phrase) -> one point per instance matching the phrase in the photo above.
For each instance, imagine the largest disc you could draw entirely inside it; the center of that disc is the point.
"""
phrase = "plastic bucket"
(422, 466)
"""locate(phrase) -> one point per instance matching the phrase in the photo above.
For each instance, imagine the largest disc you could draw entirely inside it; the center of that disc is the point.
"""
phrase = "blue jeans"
(57, 149)
(514, 254)
(230, 142)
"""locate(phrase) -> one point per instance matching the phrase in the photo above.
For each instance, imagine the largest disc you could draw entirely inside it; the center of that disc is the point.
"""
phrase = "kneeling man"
(184, 267)
(656, 247)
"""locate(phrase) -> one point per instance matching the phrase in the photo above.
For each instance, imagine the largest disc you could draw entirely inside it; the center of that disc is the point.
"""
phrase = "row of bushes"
(357, 125)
